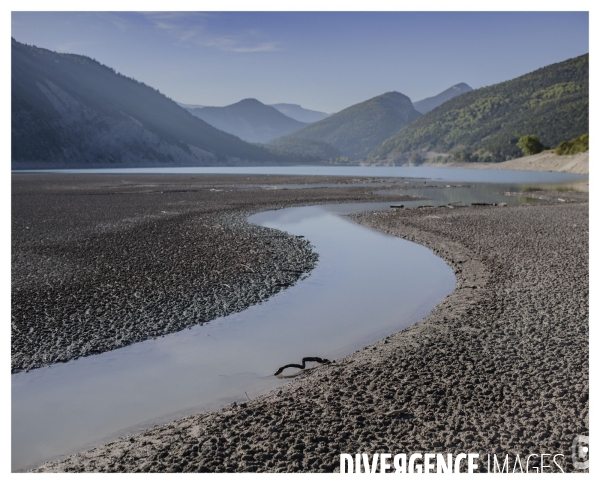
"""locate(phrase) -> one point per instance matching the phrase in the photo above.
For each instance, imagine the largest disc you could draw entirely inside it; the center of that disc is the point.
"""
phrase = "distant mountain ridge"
(356, 130)
(191, 106)
(71, 111)
(249, 119)
(485, 124)
(430, 103)
(297, 112)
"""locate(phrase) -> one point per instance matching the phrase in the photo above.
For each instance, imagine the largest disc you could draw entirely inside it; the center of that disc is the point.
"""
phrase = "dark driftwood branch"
(303, 365)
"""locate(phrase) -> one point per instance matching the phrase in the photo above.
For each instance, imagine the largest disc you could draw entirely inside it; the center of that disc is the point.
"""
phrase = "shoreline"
(578, 164)
(545, 161)
(195, 257)
(475, 334)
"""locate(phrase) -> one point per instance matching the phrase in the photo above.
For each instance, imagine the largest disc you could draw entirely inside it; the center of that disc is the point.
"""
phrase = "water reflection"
(492, 193)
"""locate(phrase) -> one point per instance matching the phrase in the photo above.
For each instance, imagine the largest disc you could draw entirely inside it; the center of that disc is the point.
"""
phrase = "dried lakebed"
(103, 261)
(176, 446)
(365, 286)
(501, 366)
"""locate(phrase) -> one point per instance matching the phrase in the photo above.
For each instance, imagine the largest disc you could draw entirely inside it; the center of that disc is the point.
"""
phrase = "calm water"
(366, 285)
(436, 173)
(465, 195)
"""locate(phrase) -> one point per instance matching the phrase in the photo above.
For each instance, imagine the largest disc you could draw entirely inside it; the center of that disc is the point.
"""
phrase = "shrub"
(530, 144)
(576, 145)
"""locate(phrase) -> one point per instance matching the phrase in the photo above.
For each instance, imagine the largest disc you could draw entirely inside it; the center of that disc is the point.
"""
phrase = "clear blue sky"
(321, 60)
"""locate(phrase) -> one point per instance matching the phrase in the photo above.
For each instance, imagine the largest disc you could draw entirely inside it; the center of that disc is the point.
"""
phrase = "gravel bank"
(103, 261)
(500, 366)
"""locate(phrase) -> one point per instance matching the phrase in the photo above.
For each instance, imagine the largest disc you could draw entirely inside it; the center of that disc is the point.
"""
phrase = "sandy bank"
(500, 366)
(546, 161)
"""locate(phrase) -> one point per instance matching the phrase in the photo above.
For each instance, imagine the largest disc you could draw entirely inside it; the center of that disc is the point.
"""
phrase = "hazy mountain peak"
(392, 94)
(430, 103)
(250, 101)
(249, 119)
(462, 86)
(69, 111)
(394, 99)
(297, 112)
(358, 129)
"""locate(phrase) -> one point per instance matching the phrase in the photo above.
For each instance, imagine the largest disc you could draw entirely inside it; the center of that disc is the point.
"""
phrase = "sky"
(322, 60)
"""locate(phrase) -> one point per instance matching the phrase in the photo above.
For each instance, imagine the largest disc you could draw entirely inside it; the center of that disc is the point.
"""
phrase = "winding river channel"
(366, 285)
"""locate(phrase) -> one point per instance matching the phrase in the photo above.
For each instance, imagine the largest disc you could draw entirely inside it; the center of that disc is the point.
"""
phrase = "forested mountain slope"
(485, 124)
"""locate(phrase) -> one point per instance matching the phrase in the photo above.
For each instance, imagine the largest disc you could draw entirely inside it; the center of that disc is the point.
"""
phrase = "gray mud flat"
(500, 366)
(100, 262)
(362, 275)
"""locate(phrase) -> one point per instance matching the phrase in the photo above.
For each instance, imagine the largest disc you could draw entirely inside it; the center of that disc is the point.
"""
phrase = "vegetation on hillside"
(357, 130)
(530, 144)
(486, 124)
(306, 147)
(574, 146)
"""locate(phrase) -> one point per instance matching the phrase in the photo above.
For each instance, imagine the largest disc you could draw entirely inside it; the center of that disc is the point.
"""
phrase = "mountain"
(71, 111)
(191, 106)
(430, 103)
(249, 119)
(486, 124)
(297, 112)
(307, 147)
(357, 130)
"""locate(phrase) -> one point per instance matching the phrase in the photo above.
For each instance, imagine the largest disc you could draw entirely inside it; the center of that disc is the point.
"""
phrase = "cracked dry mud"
(500, 366)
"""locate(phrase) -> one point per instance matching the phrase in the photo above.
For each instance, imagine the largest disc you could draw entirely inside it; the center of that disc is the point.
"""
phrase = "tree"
(460, 154)
(416, 159)
(576, 145)
(530, 144)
